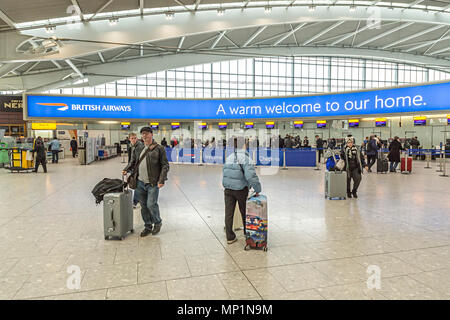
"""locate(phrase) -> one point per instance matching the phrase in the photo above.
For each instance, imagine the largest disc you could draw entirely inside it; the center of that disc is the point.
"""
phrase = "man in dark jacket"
(152, 174)
(319, 146)
(354, 163)
(74, 146)
(394, 153)
(41, 157)
(133, 143)
(371, 152)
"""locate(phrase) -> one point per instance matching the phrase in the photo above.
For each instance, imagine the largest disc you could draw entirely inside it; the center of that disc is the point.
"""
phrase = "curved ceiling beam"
(111, 71)
(154, 28)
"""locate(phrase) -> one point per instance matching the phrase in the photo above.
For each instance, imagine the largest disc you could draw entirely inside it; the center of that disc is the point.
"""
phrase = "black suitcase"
(382, 166)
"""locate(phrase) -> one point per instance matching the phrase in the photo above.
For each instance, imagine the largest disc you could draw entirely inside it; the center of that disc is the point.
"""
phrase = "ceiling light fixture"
(113, 21)
(352, 7)
(267, 9)
(169, 15)
(311, 8)
(50, 29)
(220, 12)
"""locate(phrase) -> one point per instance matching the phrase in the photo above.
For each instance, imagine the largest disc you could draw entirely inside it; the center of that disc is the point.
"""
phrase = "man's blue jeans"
(394, 166)
(148, 198)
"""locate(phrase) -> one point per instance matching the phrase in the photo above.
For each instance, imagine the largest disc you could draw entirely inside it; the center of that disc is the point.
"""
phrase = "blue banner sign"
(420, 98)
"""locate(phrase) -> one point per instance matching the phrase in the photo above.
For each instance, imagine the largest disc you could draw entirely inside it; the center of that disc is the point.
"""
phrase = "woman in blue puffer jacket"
(238, 176)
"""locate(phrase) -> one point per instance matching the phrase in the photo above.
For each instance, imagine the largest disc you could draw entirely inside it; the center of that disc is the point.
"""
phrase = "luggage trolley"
(18, 160)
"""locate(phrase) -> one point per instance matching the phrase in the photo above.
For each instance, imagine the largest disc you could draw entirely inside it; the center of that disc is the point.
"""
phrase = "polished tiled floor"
(318, 249)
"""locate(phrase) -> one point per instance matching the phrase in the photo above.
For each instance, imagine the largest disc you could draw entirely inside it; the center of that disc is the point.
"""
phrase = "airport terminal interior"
(308, 93)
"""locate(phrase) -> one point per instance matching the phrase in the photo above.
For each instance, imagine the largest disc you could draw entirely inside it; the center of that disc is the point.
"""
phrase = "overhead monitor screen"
(222, 125)
(380, 122)
(352, 123)
(249, 125)
(298, 124)
(270, 125)
(175, 125)
(321, 124)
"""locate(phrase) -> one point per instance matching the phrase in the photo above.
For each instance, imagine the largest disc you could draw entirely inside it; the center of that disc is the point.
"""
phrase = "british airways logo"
(87, 107)
(63, 106)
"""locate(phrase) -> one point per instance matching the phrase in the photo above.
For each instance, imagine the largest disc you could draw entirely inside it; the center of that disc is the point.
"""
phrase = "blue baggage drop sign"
(411, 99)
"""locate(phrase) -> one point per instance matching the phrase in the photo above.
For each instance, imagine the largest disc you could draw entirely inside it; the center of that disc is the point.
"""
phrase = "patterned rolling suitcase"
(336, 185)
(256, 223)
(118, 214)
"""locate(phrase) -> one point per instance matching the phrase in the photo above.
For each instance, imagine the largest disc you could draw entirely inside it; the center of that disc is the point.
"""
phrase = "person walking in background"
(394, 153)
(54, 148)
(134, 142)
(164, 142)
(238, 176)
(371, 151)
(152, 174)
(319, 146)
(354, 164)
(74, 146)
(41, 155)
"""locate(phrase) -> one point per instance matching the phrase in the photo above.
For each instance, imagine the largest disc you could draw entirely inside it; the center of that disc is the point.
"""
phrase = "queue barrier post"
(440, 161)
(317, 160)
(284, 159)
(201, 157)
(444, 163)
(428, 159)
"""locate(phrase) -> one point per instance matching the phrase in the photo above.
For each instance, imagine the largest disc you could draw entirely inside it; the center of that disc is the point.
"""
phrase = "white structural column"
(56, 64)
(351, 34)
(415, 35)
(74, 67)
(381, 35)
(219, 37)
(5, 18)
(101, 57)
(75, 4)
(290, 33)
(253, 37)
(317, 36)
(426, 43)
(180, 43)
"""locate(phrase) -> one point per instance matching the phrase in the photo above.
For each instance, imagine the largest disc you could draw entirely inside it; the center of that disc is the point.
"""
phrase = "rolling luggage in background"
(382, 163)
(336, 185)
(406, 164)
(256, 223)
(118, 214)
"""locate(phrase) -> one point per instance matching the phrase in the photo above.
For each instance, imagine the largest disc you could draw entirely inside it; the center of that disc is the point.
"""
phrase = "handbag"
(133, 178)
(340, 164)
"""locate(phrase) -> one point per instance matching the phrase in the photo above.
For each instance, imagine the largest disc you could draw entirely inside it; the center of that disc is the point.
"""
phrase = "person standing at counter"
(54, 148)
(74, 146)
(394, 153)
(319, 146)
(39, 148)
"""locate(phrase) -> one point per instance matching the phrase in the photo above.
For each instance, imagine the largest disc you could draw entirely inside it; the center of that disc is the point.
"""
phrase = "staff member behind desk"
(74, 146)
(54, 148)
(41, 157)
(238, 175)
(152, 173)
(354, 163)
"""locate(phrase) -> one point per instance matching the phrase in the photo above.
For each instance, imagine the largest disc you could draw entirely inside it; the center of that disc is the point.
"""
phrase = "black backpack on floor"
(107, 186)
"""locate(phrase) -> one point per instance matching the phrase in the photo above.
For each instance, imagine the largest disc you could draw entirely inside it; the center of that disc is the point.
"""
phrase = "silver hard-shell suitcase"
(335, 184)
(118, 214)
